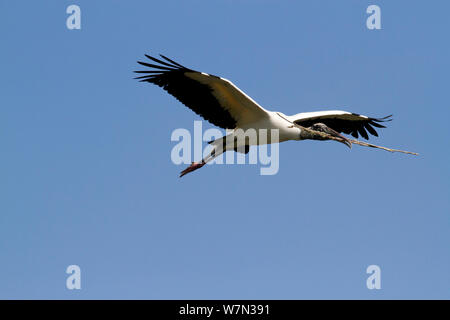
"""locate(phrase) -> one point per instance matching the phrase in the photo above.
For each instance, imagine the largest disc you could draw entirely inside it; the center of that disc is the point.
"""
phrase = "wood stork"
(223, 104)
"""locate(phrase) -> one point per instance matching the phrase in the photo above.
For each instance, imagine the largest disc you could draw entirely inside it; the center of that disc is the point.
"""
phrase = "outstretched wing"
(342, 121)
(216, 99)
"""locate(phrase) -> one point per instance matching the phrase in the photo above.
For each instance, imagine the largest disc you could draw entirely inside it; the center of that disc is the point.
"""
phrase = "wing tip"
(383, 119)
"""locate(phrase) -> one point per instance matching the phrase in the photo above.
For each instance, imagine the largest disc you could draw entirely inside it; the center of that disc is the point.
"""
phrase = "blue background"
(85, 153)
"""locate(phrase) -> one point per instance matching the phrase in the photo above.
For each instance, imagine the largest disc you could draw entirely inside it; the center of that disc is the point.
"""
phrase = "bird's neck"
(306, 134)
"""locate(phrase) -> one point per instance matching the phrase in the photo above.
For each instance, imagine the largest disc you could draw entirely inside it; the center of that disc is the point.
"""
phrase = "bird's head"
(323, 128)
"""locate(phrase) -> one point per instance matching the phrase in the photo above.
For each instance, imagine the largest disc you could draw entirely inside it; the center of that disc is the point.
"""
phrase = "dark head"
(323, 128)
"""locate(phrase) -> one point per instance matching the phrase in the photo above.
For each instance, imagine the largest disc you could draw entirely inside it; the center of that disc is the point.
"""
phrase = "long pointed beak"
(342, 139)
(346, 142)
(323, 128)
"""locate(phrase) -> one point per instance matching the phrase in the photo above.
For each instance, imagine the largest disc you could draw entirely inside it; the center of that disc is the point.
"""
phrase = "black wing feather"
(370, 129)
(197, 96)
(173, 62)
(348, 126)
(160, 61)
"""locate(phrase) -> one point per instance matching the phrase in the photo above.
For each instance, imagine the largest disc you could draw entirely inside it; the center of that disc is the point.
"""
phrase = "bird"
(223, 104)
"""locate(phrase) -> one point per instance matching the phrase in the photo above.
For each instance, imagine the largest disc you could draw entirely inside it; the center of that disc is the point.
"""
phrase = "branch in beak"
(320, 131)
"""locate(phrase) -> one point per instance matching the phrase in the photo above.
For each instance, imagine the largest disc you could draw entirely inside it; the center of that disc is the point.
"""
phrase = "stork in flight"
(223, 104)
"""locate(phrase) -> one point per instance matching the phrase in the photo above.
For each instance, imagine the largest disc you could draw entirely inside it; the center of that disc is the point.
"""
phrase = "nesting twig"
(365, 144)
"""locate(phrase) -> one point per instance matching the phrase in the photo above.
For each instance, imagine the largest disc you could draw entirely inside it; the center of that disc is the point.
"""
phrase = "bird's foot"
(194, 166)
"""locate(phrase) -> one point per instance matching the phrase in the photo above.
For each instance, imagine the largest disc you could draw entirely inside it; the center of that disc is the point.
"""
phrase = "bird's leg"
(323, 128)
(194, 166)
(197, 165)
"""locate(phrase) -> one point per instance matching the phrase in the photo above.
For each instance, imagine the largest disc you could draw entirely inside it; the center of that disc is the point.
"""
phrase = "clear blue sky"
(87, 177)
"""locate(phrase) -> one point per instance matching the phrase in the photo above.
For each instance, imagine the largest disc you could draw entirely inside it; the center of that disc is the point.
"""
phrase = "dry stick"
(365, 144)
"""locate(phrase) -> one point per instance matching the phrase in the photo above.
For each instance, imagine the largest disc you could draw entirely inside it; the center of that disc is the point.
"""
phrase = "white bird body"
(223, 104)
(274, 121)
(259, 132)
